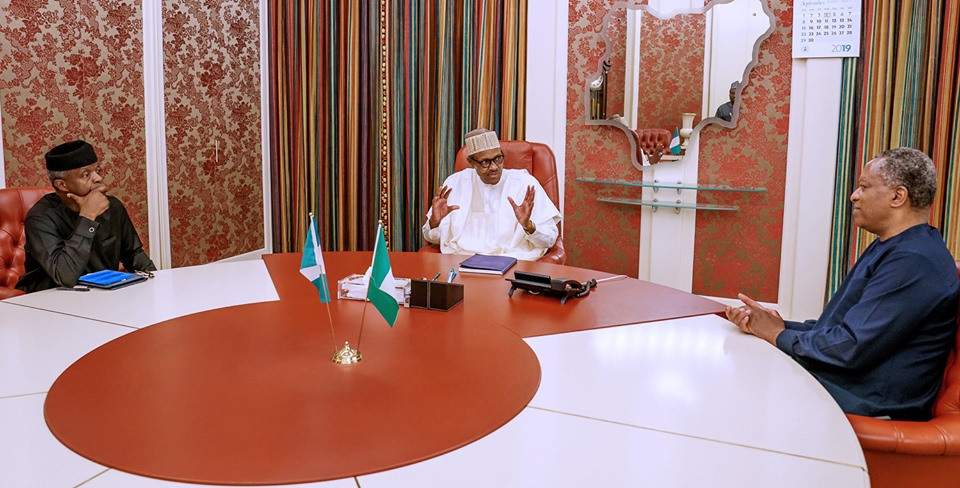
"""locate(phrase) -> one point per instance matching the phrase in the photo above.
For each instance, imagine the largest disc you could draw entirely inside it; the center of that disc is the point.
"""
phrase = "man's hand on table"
(756, 319)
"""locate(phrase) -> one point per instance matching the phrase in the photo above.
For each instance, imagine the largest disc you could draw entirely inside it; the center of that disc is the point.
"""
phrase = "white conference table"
(685, 402)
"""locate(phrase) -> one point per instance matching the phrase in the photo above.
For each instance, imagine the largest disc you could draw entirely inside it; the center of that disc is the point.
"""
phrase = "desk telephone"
(536, 284)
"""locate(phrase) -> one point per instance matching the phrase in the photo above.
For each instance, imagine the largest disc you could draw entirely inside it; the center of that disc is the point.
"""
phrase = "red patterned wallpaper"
(618, 62)
(596, 235)
(671, 70)
(726, 259)
(740, 251)
(74, 70)
(212, 73)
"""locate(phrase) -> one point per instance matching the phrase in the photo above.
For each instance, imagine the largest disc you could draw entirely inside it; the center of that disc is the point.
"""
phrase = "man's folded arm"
(891, 304)
(63, 260)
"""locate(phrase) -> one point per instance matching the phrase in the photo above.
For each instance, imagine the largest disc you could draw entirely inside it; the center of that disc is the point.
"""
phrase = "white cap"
(479, 140)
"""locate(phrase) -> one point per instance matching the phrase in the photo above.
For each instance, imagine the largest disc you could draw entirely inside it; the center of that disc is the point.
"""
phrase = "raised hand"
(439, 208)
(93, 204)
(524, 210)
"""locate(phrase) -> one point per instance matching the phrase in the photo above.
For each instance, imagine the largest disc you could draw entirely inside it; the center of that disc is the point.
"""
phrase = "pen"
(452, 275)
(436, 276)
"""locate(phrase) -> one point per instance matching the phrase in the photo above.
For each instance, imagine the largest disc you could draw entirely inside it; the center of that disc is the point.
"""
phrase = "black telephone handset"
(536, 284)
(576, 289)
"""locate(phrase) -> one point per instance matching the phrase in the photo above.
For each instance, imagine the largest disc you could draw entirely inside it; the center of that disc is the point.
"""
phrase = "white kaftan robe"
(485, 222)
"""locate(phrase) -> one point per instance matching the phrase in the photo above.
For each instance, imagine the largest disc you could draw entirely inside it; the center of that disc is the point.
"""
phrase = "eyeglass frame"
(487, 163)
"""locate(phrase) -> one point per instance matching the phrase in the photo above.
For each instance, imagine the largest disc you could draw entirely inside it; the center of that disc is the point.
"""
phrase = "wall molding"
(265, 126)
(546, 112)
(158, 208)
(808, 197)
(3, 166)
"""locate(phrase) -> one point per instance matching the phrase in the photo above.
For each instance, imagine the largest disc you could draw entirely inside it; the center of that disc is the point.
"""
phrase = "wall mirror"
(670, 67)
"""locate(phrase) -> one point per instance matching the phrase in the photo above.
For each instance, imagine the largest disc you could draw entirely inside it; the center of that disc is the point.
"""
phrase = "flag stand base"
(347, 355)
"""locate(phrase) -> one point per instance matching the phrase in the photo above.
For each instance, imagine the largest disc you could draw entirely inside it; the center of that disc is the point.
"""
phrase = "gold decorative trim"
(384, 123)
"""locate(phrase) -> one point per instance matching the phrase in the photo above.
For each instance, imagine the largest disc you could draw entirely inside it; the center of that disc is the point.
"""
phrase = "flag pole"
(364, 313)
(333, 338)
(362, 317)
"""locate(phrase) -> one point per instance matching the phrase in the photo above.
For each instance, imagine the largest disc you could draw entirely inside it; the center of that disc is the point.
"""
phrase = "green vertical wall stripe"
(843, 185)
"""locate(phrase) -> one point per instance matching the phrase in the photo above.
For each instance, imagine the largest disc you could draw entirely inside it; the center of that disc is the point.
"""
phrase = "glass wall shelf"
(656, 185)
(677, 205)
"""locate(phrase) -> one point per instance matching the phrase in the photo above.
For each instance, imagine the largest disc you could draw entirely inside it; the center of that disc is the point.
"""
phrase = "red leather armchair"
(906, 454)
(538, 160)
(14, 205)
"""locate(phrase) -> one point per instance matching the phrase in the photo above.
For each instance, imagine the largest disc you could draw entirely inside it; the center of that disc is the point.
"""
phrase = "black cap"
(70, 155)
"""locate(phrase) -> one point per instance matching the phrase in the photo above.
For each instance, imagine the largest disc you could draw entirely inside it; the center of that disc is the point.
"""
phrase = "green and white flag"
(311, 265)
(381, 285)
(675, 142)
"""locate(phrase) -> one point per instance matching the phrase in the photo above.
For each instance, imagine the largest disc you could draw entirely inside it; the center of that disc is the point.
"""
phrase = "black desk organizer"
(435, 295)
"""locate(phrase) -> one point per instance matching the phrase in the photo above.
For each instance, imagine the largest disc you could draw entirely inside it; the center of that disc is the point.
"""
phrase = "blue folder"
(480, 263)
(109, 279)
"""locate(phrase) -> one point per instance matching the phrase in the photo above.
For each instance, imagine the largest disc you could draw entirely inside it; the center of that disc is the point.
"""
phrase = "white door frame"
(265, 127)
(158, 208)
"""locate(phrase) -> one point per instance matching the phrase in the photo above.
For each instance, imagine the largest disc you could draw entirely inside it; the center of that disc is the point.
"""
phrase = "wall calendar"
(826, 28)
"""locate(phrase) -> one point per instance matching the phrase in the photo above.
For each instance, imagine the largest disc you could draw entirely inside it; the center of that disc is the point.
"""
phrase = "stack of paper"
(354, 287)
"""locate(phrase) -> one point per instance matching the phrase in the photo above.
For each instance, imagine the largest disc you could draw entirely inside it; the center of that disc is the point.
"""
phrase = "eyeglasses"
(488, 163)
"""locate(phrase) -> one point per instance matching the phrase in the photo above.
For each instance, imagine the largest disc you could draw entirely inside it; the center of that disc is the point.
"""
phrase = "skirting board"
(247, 256)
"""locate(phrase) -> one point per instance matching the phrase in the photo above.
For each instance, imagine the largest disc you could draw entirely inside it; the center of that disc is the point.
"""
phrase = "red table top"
(248, 394)
(621, 302)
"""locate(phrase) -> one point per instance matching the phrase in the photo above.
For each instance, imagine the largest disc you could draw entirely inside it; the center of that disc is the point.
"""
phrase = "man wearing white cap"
(486, 209)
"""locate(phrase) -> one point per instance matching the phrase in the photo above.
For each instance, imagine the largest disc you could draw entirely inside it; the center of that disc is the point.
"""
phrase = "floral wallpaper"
(73, 70)
(671, 70)
(740, 251)
(597, 235)
(212, 74)
(618, 61)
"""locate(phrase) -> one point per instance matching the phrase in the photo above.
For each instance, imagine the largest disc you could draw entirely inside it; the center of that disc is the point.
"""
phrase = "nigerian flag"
(311, 266)
(675, 142)
(381, 285)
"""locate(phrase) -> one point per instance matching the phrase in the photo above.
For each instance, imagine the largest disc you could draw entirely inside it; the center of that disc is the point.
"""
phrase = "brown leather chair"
(906, 454)
(538, 160)
(654, 142)
(14, 205)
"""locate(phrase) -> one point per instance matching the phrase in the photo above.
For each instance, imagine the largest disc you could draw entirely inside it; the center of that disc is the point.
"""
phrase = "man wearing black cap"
(78, 229)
